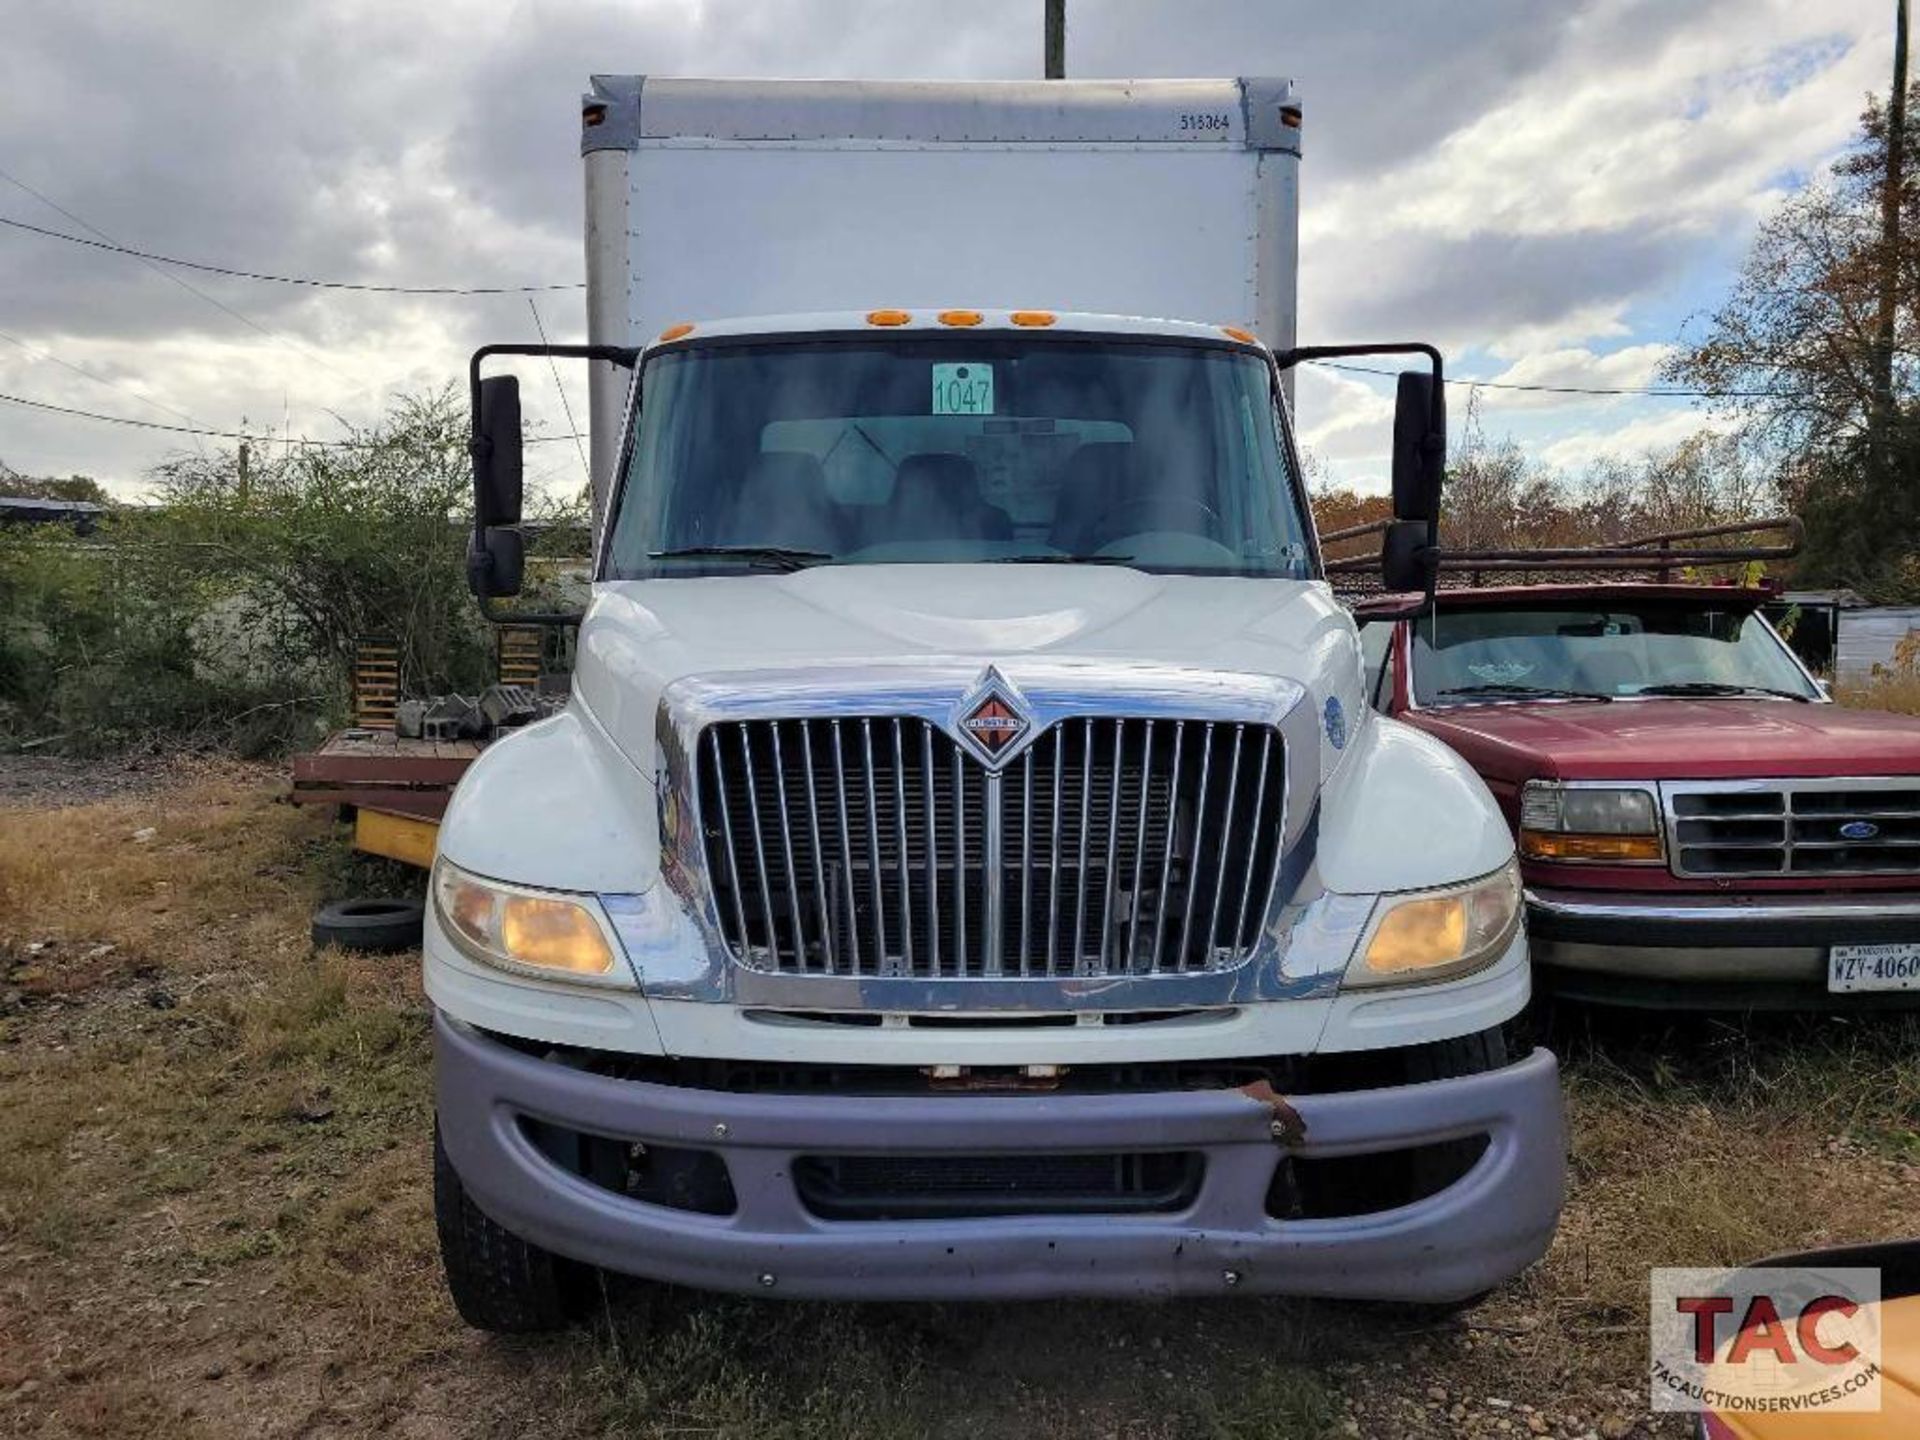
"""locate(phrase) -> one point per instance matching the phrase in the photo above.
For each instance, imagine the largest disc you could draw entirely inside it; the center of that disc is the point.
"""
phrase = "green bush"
(228, 611)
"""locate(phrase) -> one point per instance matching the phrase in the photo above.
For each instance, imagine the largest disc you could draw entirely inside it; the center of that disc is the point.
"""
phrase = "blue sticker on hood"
(1336, 722)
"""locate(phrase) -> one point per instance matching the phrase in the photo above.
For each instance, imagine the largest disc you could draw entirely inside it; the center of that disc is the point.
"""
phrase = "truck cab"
(1699, 825)
(967, 866)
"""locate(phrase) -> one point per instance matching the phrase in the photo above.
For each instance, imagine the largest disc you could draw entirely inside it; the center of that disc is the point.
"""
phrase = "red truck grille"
(1794, 827)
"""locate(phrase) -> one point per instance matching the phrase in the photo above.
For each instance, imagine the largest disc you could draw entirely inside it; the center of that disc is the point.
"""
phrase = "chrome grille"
(1795, 827)
(878, 845)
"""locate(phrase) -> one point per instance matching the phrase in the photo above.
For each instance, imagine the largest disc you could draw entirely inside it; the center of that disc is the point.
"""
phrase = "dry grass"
(1897, 690)
(214, 1211)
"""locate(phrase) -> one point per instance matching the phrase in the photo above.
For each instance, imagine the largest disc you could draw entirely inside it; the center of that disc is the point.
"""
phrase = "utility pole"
(1057, 37)
(1885, 332)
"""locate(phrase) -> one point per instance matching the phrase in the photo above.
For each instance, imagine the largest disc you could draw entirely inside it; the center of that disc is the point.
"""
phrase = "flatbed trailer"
(397, 788)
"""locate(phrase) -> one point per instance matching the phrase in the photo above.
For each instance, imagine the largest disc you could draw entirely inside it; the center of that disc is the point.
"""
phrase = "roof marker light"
(676, 332)
(959, 317)
(1032, 318)
(1234, 332)
(888, 317)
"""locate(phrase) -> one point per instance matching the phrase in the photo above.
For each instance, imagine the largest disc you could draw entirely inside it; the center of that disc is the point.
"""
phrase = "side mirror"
(496, 562)
(496, 447)
(1419, 447)
(1407, 560)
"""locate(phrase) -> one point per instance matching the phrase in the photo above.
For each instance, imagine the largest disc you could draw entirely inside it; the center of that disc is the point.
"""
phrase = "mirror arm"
(1436, 424)
(625, 356)
(1287, 359)
(480, 447)
(490, 609)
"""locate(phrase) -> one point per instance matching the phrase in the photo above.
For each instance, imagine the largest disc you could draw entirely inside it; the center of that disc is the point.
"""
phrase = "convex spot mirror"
(496, 562)
(1407, 561)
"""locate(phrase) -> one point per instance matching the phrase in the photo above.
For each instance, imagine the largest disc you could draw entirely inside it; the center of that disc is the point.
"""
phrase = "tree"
(1796, 356)
(74, 487)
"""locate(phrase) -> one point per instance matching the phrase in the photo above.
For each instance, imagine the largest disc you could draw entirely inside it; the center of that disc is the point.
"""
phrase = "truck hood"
(641, 636)
(1676, 739)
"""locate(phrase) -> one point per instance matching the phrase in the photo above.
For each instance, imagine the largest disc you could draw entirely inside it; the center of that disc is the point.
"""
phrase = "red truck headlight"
(1618, 824)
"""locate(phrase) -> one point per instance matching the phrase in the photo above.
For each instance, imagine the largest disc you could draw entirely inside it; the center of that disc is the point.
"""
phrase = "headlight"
(1439, 934)
(538, 932)
(1585, 822)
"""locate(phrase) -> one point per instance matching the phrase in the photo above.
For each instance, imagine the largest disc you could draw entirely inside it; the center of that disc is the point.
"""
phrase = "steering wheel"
(1154, 507)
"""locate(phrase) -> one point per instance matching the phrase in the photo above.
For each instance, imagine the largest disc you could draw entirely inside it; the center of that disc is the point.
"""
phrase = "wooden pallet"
(518, 654)
(376, 683)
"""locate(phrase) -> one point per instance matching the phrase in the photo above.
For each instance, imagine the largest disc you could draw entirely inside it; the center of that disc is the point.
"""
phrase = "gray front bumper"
(1475, 1233)
(1691, 947)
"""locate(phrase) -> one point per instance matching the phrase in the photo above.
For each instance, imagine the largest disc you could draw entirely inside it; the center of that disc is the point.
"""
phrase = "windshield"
(1478, 655)
(1166, 457)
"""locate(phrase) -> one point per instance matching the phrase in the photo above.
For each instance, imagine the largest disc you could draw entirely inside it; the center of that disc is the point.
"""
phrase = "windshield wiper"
(766, 557)
(1719, 688)
(1536, 692)
(1059, 560)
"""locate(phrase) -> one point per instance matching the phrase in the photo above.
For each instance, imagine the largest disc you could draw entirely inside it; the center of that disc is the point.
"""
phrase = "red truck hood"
(1676, 739)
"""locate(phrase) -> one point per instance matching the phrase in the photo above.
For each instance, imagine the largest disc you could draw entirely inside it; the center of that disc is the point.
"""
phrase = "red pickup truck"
(1698, 823)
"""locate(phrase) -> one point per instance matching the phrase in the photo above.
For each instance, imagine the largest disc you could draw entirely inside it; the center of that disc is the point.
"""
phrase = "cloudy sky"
(1552, 192)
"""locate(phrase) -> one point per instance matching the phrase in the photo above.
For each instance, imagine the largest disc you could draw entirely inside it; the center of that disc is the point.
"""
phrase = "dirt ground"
(215, 1215)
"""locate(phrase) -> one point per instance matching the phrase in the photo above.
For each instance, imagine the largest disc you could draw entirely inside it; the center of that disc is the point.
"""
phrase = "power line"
(566, 405)
(51, 359)
(222, 306)
(226, 434)
(154, 258)
(171, 429)
(1644, 392)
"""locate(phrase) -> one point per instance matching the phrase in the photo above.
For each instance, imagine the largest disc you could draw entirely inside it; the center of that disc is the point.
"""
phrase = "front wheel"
(499, 1281)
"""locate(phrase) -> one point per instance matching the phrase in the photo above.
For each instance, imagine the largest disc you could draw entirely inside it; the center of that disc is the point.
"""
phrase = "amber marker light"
(1234, 332)
(959, 317)
(888, 317)
(676, 332)
(1545, 845)
(1033, 319)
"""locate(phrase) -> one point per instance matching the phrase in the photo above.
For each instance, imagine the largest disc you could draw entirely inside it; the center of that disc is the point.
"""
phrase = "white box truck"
(967, 865)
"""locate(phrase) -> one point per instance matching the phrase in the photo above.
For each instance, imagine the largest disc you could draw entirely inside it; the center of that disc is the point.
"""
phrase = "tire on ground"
(371, 925)
(499, 1281)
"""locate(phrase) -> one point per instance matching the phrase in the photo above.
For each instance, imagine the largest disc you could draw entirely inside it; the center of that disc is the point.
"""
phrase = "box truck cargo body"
(709, 199)
(967, 865)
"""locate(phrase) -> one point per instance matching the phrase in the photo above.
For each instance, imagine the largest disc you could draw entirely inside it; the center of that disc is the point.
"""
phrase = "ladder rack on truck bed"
(1656, 556)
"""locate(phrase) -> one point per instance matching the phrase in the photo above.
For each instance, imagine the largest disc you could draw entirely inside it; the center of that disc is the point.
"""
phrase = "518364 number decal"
(1201, 121)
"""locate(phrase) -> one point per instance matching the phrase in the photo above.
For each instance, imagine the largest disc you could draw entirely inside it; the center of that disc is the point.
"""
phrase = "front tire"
(499, 1281)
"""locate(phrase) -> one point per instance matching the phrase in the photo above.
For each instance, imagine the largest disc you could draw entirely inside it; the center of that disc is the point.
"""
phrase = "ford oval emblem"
(1336, 721)
(1859, 830)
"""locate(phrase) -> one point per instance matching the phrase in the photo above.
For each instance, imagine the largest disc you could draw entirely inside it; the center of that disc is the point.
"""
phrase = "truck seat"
(1095, 479)
(937, 497)
(783, 501)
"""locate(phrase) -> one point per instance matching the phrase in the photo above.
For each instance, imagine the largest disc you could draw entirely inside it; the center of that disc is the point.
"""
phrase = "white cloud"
(1627, 441)
(1513, 180)
(1632, 367)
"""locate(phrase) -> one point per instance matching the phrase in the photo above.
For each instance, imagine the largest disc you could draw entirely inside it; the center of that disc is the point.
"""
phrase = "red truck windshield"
(853, 450)
(1615, 652)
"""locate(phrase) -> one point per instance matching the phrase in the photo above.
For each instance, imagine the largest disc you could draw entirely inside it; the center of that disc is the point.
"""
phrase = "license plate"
(1874, 967)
